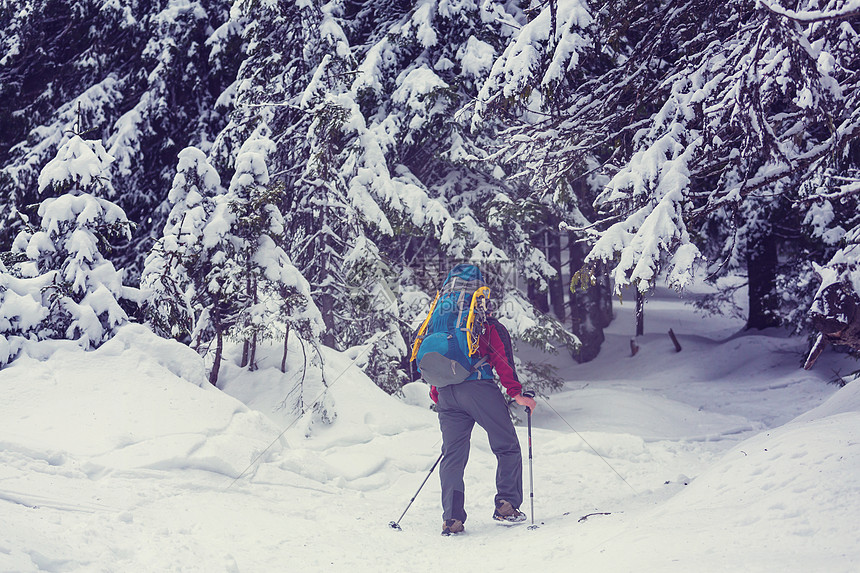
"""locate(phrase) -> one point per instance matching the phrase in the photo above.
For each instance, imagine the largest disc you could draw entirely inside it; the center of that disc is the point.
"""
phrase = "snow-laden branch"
(639, 243)
(851, 9)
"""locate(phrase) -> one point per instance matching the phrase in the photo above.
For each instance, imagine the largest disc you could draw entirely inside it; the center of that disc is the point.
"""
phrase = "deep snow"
(723, 457)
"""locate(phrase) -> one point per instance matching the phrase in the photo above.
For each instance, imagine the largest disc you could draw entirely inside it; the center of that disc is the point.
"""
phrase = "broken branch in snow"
(674, 340)
(817, 349)
(584, 517)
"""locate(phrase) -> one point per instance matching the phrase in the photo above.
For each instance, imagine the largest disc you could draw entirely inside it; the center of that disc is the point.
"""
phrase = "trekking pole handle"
(528, 394)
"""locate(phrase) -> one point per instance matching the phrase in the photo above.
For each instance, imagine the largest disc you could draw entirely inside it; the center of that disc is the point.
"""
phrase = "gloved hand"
(526, 398)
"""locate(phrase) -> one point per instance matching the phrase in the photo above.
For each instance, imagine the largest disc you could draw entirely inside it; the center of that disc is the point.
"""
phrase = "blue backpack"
(446, 345)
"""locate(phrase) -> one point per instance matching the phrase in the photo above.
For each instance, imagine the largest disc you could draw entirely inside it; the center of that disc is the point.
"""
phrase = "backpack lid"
(464, 272)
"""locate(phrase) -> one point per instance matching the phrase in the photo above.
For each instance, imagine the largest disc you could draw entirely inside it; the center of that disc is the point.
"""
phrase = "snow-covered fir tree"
(548, 64)
(726, 147)
(166, 279)
(429, 181)
(295, 53)
(273, 296)
(145, 76)
(218, 270)
(710, 120)
(634, 139)
(61, 285)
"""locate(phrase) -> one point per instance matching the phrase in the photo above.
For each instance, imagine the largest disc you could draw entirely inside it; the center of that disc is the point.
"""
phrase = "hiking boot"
(507, 513)
(452, 526)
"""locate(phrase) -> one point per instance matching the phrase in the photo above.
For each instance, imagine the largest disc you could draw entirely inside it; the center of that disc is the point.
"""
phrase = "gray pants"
(459, 407)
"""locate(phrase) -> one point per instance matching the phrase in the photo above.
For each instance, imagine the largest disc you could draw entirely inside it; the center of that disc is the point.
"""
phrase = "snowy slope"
(723, 457)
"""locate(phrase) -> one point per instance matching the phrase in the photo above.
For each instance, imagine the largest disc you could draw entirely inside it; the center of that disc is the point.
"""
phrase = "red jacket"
(495, 344)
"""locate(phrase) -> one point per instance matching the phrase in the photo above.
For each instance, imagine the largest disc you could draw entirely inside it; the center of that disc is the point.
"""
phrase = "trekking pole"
(531, 394)
(396, 524)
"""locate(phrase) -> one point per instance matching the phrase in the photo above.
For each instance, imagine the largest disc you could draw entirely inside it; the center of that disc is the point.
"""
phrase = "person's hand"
(525, 401)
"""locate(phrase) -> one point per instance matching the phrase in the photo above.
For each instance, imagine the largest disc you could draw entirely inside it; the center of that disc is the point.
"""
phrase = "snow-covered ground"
(725, 456)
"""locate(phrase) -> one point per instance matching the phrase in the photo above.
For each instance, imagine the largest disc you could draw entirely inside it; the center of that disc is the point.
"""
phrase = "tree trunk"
(245, 350)
(286, 348)
(325, 274)
(586, 307)
(556, 284)
(604, 302)
(761, 258)
(252, 345)
(538, 297)
(252, 354)
(326, 307)
(219, 347)
(640, 312)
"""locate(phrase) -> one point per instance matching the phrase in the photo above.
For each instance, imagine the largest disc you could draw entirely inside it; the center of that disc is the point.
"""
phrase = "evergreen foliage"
(59, 285)
(144, 76)
(315, 167)
(168, 275)
(714, 122)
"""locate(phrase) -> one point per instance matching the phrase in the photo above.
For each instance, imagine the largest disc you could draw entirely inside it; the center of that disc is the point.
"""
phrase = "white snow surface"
(733, 459)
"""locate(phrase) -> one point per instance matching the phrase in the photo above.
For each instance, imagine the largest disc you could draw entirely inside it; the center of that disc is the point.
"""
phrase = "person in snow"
(478, 399)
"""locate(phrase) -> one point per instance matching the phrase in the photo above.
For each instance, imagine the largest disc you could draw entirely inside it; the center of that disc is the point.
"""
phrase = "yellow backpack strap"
(471, 338)
(420, 336)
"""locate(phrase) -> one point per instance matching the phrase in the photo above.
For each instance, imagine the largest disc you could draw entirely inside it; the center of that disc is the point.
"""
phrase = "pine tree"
(146, 76)
(710, 120)
(218, 270)
(427, 181)
(166, 277)
(61, 264)
(726, 143)
(344, 266)
(273, 296)
(287, 87)
(547, 66)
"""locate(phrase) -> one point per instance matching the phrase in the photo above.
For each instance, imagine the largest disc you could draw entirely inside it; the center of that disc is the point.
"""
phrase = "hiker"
(465, 392)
